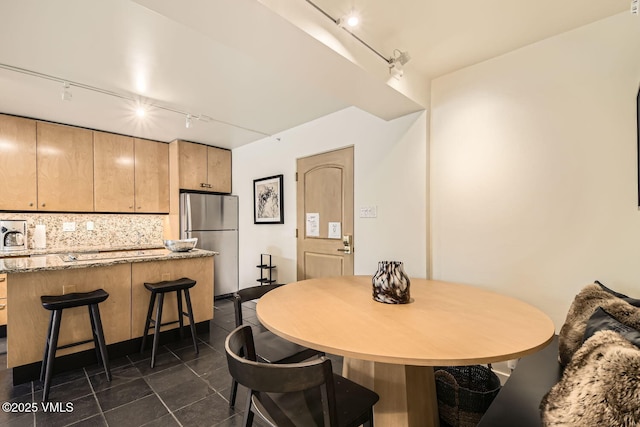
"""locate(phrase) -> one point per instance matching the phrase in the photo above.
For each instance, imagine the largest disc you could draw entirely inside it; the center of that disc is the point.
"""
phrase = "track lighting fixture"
(141, 109)
(349, 21)
(396, 63)
(187, 122)
(635, 7)
(66, 94)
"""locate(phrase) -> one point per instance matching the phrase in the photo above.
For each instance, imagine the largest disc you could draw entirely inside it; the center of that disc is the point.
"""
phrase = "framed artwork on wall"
(268, 200)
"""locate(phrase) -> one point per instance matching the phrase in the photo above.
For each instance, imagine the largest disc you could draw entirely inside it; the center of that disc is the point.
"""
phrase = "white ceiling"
(245, 66)
(444, 35)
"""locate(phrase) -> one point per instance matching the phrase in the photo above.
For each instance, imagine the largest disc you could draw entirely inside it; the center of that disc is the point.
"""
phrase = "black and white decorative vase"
(391, 283)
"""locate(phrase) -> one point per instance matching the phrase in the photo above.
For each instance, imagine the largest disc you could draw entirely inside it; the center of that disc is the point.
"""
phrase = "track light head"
(66, 94)
(349, 21)
(396, 63)
(187, 122)
(396, 69)
(635, 7)
(401, 57)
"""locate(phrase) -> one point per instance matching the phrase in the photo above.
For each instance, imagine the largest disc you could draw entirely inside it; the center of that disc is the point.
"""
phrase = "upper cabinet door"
(152, 176)
(192, 166)
(18, 163)
(65, 168)
(219, 170)
(113, 172)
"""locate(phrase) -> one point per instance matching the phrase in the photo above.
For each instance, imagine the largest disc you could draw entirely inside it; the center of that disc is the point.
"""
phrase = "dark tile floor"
(184, 388)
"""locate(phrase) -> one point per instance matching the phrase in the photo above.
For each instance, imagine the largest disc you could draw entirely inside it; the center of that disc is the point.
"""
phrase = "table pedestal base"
(407, 393)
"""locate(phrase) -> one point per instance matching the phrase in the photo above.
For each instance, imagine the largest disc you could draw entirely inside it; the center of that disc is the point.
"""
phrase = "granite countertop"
(21, 262)
(76, 249)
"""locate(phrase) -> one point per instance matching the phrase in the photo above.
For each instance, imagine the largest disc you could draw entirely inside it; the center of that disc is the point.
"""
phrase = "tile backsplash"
(113, 230)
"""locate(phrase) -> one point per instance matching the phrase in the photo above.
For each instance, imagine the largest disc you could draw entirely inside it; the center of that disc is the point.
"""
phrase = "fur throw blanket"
(600, 387)
(584, 305)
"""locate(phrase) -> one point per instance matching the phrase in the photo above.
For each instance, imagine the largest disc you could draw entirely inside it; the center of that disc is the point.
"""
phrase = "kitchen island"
(121, 273)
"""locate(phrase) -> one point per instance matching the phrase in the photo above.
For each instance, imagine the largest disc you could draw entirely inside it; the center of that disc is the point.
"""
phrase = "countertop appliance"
(213, 219)
(13, 234)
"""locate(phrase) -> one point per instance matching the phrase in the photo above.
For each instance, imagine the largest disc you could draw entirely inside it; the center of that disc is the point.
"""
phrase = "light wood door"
(192, 166)
(18, 163)
(65, 168)
(113, 172)
(151, 176)
(219, 169)
(324, 199)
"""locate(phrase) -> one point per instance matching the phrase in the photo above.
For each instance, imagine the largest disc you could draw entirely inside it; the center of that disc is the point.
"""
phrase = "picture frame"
(268, 200)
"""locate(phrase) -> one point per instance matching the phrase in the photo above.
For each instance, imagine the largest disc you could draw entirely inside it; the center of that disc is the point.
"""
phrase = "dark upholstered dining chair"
(303, 394)
(270, 348)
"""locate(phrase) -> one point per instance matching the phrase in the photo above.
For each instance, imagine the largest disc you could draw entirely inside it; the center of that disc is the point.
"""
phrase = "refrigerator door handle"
(185, 212)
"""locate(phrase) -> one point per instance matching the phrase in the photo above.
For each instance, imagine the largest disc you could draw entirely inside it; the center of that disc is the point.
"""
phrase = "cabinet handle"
(31, 204)
(209, 185)
(3, 306)
(43, 205)
(2, 279)
(203, 185)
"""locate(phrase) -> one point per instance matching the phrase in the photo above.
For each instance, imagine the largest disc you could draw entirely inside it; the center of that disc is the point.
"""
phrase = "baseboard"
(69, 362)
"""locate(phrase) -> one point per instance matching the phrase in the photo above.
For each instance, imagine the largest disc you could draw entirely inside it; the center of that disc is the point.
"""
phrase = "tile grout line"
(93, 393)
(144, 377)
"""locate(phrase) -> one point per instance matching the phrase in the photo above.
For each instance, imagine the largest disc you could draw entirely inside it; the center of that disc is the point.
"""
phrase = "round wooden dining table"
(392, 348)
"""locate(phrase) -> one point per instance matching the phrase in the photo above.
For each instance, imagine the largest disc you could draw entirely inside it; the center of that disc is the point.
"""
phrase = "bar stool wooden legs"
(159, 289)
(57, 303)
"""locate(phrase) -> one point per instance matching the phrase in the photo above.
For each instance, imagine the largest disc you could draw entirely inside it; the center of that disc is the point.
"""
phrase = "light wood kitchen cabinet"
(123, 313)
(65, 168)
(219, 169)
(53, 167)
(204, 168)
(151, 176)
(113, 172)
(130, 174)
(28, 328)
(201, 295)
(18, 163)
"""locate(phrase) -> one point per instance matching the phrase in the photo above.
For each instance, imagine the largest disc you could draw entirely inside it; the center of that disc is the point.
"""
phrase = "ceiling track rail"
(127, 97)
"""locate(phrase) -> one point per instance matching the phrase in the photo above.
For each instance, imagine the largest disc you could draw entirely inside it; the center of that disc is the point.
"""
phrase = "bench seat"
(517, 403)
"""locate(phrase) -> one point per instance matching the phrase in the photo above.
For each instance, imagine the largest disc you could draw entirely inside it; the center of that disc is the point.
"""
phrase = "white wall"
(533, 168)
(390, 172)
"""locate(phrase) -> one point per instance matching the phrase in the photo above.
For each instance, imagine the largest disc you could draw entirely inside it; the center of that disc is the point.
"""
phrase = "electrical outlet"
(89, 225)
(68, 226)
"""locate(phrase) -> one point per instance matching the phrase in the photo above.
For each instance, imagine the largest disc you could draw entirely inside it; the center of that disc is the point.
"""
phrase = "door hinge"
(296, 233)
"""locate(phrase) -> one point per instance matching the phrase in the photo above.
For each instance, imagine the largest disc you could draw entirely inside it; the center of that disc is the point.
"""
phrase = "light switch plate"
(369, 212)
(68, 226)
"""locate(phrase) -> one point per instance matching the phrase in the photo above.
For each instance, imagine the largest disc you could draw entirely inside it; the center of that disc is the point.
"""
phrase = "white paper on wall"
(313, 225)
(335, 230)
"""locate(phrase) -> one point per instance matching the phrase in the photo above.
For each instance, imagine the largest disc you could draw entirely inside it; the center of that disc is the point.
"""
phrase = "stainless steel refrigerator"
(213, 219)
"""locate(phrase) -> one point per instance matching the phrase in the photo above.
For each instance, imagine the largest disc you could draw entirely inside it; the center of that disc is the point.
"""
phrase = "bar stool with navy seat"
(159, 289)
(57, 303)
